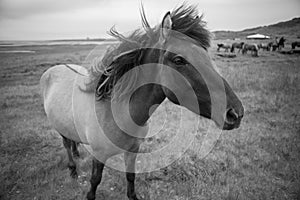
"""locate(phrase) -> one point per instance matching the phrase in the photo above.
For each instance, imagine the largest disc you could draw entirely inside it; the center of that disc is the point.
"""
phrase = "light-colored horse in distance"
(223, 46)
(250, 47)
(264, 46)
(77, 102)
(237, 45)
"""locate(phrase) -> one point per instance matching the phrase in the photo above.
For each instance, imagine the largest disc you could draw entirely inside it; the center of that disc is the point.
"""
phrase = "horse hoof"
(133, 198)
(90, 196)
(73, 171)
(74, 174)
(76, 154)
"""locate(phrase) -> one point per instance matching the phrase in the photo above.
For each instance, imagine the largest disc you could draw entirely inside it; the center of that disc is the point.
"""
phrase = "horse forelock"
(186, 20)
(128, 53)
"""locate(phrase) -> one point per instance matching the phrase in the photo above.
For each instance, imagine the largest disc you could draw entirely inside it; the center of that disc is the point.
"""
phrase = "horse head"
(188, 70)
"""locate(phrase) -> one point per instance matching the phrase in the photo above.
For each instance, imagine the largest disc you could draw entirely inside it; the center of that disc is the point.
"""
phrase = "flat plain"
(260, 160)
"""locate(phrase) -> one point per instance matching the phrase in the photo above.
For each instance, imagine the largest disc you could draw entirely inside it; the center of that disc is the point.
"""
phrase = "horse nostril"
(231, 116)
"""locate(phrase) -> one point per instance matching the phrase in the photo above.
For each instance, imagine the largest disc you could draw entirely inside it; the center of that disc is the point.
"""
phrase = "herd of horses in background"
(278, 44)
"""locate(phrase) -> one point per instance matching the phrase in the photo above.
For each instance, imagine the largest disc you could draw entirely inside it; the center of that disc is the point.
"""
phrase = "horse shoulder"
(107, 135)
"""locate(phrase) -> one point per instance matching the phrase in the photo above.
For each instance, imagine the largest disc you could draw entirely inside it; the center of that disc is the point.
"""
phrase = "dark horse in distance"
(237, 45)
(295, 44)
(277, 45)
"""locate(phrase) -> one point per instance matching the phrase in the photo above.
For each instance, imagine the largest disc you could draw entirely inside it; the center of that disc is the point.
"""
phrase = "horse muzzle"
(232, 119)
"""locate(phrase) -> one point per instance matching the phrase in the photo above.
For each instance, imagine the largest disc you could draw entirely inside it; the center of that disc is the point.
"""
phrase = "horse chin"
(227, 126)
(220, 125)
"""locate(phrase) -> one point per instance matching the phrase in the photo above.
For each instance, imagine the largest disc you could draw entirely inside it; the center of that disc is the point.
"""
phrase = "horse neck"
(146, 99)
(144, 102)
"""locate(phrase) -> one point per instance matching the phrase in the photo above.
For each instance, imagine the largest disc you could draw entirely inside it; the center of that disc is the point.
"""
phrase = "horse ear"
(166, 26)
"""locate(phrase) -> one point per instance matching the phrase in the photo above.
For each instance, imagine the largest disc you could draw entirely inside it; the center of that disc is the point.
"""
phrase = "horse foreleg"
(130, 158)
(96, 177)
(75, 149)
(71, 164)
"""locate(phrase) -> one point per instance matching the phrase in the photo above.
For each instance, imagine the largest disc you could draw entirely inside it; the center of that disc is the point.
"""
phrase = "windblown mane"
(118, 60)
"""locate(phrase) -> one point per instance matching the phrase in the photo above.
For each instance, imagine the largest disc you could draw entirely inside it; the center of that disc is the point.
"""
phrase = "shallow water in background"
(53, 42)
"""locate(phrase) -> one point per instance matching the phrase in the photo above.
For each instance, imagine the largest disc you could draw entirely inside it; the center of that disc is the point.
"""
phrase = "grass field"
(260, 160)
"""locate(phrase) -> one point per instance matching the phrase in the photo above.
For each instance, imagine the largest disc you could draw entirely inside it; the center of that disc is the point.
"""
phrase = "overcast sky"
(60, 19)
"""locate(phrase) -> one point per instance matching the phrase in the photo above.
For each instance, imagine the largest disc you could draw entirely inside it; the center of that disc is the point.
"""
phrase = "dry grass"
(260, 160)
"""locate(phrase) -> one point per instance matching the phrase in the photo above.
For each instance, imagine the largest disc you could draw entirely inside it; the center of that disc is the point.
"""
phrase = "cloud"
(50, 19)
(16, 9)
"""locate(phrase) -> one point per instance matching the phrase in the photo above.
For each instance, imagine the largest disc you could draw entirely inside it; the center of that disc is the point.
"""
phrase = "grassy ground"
(260, 160)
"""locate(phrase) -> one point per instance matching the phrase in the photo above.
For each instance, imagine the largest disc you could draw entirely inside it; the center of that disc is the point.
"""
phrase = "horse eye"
(178, 60)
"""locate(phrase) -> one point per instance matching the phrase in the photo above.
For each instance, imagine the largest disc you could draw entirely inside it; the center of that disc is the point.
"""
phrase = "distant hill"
(289, 29)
